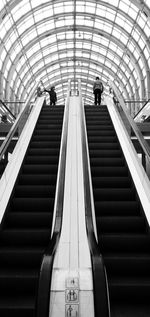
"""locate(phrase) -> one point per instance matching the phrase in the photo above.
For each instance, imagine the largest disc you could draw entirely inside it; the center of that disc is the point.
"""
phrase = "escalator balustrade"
(26, 226)
(123, 232)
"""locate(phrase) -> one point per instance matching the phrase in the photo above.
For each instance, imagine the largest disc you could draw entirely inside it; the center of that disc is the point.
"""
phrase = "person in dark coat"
(52, 95)
(97, 91)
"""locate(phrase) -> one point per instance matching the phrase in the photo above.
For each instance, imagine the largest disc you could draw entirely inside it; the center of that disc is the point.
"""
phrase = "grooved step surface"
(123, 233)
(26, 227)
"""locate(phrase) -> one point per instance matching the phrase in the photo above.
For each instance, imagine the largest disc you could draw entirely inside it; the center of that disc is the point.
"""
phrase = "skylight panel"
(3, 54)
(24, 7)
(23, 73)
(2, 4)
(98, 24)
(68, 6)
(146, 53)
(69, 21)
(141, 22)
(136, 54)
(28, 37)
(38, 15)
(69, 35)
(123, 6)
(110, 15)
(38, 66)
(59, 23)
(119, 20)
(141, 43)
(119, 52)
(8, 22)
(107, 28)
(90, 7)
(128, 27)
(124, 39)
(8, 44)
(61, 36)
(140, 63)
(133, 11)
(2, 31)
(21, 28)
(130, 66)
(80, 6)
(46, 12)
(70, 45)
(58, 8)
(147, 3)
(116, 32)
(147, 30)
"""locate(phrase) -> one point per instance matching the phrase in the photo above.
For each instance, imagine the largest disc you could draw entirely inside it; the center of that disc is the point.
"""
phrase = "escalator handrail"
(16, 124)
(144, 145)
(101, 296)
(43, 296)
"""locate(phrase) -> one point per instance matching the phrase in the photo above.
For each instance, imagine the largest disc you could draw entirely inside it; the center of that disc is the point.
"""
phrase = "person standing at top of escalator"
(52, 95)
(97, 91)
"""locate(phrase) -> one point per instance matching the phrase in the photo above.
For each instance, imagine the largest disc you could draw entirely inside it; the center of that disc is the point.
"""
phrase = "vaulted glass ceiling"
(55, 40)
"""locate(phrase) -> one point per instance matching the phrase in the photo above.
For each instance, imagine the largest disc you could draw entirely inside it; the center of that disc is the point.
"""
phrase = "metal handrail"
(144, 145)
(43, 296)
(99, 274)
(15, 126)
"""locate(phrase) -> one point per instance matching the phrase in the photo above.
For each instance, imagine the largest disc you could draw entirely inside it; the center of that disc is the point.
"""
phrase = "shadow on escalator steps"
(123, 232)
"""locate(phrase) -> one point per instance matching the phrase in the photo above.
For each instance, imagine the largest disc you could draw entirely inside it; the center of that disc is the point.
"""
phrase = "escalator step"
(130, 224)
(43, 151)
(37, 179)
(117, 208)
(41, 159)
(134, 265)
(24, 237)
(125, 243)
(39, 169)
(32, 204)
(105, 161)
(18, 257)
(103, 146)
(42, 191)
(46, 138)
(45, 144)
(105, 153)
(29, 220)
(116, 181)
(108, 171)
(114, 194)
(22, 306)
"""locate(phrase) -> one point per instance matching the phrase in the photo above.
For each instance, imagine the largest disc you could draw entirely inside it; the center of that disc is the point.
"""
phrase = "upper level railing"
(47, 262)
(18, 124)
(144, 113)
(101, 298)
(6, 115)
(131, 126)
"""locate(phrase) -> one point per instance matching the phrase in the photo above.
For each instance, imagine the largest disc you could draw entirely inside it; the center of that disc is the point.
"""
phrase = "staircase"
(26, 227)
(123, 232)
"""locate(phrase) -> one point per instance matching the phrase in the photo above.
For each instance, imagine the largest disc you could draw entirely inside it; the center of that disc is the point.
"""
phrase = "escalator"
(123, 232)
(26, 226)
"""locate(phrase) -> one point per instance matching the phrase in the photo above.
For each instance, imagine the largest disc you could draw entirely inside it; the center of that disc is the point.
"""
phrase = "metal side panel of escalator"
(27, 222)
(122, 228)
